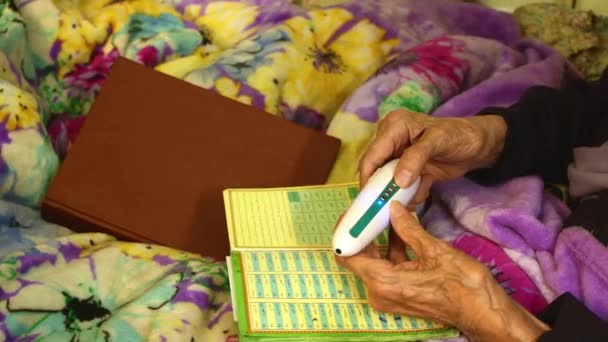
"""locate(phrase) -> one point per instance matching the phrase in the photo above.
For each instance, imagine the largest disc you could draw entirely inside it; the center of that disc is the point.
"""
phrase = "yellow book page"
(287, 218)
(301, 291)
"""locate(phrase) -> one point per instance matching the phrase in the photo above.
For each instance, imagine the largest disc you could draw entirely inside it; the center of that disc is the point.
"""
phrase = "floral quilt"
(336, 67)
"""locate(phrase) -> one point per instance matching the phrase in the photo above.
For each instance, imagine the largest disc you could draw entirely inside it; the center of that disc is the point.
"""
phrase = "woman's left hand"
(442, 284)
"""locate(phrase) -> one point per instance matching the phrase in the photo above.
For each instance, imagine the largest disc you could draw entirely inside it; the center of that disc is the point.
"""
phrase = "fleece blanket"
(516, 229)
(338, 68)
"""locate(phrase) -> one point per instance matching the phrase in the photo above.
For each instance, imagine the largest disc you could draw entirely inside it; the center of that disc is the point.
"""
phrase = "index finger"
(361, 264)
(408, 229)
(383, 147)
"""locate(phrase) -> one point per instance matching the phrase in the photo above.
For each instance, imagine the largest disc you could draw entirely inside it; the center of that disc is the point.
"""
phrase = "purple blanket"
(453, 59)
(516, 228)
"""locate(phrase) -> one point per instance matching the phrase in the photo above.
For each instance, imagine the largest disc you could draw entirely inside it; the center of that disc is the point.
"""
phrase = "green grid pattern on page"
(315, 213)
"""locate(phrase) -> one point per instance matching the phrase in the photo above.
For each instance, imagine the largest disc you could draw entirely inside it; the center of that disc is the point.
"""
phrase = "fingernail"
(403, 178)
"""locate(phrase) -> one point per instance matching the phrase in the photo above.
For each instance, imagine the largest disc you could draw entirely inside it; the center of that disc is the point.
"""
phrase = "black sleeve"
(591, 214)
(570, 320)
(544, 127)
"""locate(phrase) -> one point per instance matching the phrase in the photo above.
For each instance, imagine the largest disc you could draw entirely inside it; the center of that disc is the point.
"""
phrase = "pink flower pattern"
(90, 77)
(437, 57)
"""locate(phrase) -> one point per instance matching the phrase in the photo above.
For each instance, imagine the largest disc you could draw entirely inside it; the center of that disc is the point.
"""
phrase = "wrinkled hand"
(434, 148)
(442, 284)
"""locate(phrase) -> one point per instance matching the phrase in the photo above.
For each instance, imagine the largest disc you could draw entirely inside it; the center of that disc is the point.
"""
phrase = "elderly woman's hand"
(442, 284)
(433, 148)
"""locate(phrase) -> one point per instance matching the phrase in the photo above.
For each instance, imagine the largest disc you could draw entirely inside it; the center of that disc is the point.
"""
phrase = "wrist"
(493, 130)
(506, 320)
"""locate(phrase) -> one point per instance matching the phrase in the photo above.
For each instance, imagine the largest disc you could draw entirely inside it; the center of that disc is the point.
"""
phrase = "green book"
(285, 282)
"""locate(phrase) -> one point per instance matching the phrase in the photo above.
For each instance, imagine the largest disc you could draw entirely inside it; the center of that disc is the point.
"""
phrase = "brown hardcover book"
(155, 154)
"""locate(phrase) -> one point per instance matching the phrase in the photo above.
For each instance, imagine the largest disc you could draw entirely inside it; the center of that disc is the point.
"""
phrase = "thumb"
(408, 228)
(413, 160)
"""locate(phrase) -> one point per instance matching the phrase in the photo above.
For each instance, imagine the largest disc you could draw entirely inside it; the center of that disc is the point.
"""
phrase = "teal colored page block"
(315, 213)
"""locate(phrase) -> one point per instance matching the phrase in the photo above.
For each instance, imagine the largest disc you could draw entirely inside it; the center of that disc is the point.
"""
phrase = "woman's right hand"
(442, 284)
(435, 149)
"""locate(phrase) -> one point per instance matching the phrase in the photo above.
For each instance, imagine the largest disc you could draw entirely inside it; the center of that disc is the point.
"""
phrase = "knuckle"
(383, 125)
(395, 116)
(377, 305)
(342, 262)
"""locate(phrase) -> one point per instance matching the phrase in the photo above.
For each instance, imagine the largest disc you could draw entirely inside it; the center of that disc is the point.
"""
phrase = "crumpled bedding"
(516, 228)
(581, 36)
(337, 69)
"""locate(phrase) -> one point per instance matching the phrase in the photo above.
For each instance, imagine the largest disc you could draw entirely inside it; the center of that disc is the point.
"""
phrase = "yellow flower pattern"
(18, 109)
(323, 70)
(303, 68)
(231, 89)
(78, 37)
(224, 22)
(297, 64)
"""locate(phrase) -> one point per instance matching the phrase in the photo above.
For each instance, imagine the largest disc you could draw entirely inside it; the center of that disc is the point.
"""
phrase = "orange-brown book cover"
(155, 154)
